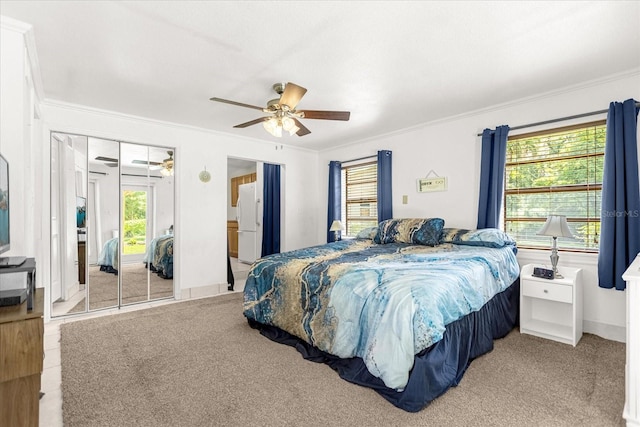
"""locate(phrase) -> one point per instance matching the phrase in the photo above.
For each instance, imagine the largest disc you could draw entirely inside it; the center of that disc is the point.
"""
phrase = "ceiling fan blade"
(303, 129)
(292, 95)
(107, 159)
(252, 122)
(326, 115)
(144, 162)
(239, 104)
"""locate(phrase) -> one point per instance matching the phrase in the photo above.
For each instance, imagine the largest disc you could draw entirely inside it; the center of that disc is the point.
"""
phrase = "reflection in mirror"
(147, 223)
(103, 206)
(68, 222)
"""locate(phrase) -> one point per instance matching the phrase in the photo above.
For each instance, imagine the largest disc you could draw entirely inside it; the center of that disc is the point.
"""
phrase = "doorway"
(241, 172)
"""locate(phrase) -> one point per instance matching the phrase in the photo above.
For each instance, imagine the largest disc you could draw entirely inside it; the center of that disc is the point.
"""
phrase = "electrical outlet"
(405, 199)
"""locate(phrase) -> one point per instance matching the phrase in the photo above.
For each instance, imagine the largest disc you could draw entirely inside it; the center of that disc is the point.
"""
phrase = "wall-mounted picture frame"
(427, 185)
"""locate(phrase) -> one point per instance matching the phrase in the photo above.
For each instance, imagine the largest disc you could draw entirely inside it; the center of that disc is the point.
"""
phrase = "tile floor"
(51, 384)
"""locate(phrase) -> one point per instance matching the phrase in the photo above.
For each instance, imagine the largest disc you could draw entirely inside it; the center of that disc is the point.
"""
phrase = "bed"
(159, 256)
(402, 309)
(108, 257)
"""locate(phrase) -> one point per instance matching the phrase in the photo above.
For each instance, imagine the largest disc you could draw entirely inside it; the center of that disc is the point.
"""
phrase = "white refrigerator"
(247, 215)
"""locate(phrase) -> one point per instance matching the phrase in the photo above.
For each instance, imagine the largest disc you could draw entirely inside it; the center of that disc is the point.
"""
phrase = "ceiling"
(393, 64)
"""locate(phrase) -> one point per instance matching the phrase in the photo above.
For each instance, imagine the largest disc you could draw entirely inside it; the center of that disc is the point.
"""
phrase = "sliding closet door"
(146, 194)
(112, 212)
(103, 206)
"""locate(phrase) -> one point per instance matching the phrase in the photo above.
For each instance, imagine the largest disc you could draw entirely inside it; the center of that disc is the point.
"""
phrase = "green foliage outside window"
(135, 221)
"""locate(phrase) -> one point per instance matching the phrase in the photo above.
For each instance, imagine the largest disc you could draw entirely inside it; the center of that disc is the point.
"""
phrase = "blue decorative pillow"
(488, 237)
(367, 233)
(420, 231)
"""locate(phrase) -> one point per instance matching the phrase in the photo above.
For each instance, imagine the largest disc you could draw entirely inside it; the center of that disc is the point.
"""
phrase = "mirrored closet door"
(112, 211)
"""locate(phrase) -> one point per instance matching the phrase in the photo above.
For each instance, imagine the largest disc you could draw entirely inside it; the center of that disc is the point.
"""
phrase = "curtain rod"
(561, 119)
(359, 158)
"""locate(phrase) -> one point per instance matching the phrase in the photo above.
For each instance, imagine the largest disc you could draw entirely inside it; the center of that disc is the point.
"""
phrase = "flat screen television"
(5, 224)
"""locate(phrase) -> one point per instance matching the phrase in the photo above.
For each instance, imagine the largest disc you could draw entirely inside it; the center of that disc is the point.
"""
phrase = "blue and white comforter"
(382, 303)
(108, 256)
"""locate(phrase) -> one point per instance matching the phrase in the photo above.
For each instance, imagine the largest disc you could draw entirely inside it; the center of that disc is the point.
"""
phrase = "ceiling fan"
(165, 167)
(282, 113)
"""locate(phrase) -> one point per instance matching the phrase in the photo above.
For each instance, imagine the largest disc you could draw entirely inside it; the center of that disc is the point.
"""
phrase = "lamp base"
(554, 260)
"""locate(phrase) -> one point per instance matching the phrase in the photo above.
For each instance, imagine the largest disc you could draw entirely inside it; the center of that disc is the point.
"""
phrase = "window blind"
(555, 172)
(359, 197)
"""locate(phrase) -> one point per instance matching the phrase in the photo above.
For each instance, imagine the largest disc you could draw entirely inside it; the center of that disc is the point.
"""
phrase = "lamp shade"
(336, 226)
(556, 226)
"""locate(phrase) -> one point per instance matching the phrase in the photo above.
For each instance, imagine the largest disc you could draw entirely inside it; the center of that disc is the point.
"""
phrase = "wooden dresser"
(21, 357)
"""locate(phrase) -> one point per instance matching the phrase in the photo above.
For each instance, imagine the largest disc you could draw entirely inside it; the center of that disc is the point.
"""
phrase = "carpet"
(103, 287)
(198, 363)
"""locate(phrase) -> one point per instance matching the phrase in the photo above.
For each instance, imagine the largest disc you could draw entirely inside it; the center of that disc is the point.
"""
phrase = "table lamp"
(556, 226)
(336, 227)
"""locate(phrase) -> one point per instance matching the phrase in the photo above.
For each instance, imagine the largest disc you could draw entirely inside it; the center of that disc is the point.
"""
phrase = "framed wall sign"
(438, 183)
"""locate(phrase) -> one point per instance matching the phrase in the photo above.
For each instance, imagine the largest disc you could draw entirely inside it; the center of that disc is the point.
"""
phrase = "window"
(359, 197)
(558, 171)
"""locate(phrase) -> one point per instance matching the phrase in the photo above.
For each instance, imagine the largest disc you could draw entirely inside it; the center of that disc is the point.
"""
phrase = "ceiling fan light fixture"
(289, 125)
(273, 126)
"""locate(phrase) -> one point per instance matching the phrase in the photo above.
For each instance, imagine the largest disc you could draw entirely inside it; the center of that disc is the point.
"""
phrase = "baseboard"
(203, 291)
(609, 332)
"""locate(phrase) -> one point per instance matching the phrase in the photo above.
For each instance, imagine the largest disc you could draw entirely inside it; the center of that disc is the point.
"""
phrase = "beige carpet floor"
(103, 287)
(198, 363)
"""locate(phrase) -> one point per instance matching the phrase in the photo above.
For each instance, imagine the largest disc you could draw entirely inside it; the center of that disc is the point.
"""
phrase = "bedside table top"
(569, 274)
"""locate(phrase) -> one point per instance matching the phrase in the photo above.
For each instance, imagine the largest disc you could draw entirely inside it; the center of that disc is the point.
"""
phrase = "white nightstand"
(551, 309)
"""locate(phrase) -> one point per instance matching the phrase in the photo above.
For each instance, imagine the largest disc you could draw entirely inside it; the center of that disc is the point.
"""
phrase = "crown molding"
(14, 25)
(26, 30)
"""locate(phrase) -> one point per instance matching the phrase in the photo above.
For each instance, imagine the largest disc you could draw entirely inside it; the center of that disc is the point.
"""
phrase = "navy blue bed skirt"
(436, 368)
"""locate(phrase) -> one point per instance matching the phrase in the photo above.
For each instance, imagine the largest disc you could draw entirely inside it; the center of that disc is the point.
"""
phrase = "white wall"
(451, 148)
(19, 129)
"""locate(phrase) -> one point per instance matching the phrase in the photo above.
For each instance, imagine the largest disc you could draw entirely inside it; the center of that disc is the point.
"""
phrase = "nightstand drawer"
(550, 291)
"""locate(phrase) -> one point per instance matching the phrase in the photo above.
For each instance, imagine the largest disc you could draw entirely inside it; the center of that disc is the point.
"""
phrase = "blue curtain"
(620, 214)
(494, 151)
(271, 212)
(334, 210)
(385, 201)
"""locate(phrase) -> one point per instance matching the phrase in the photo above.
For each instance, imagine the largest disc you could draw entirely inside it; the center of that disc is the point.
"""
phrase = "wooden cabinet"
(232, 238)
(238, 181)
(82, 254)
(21, 354)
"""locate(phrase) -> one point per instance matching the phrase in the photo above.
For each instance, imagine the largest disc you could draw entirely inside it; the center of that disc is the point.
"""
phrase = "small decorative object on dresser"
(551, 308)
